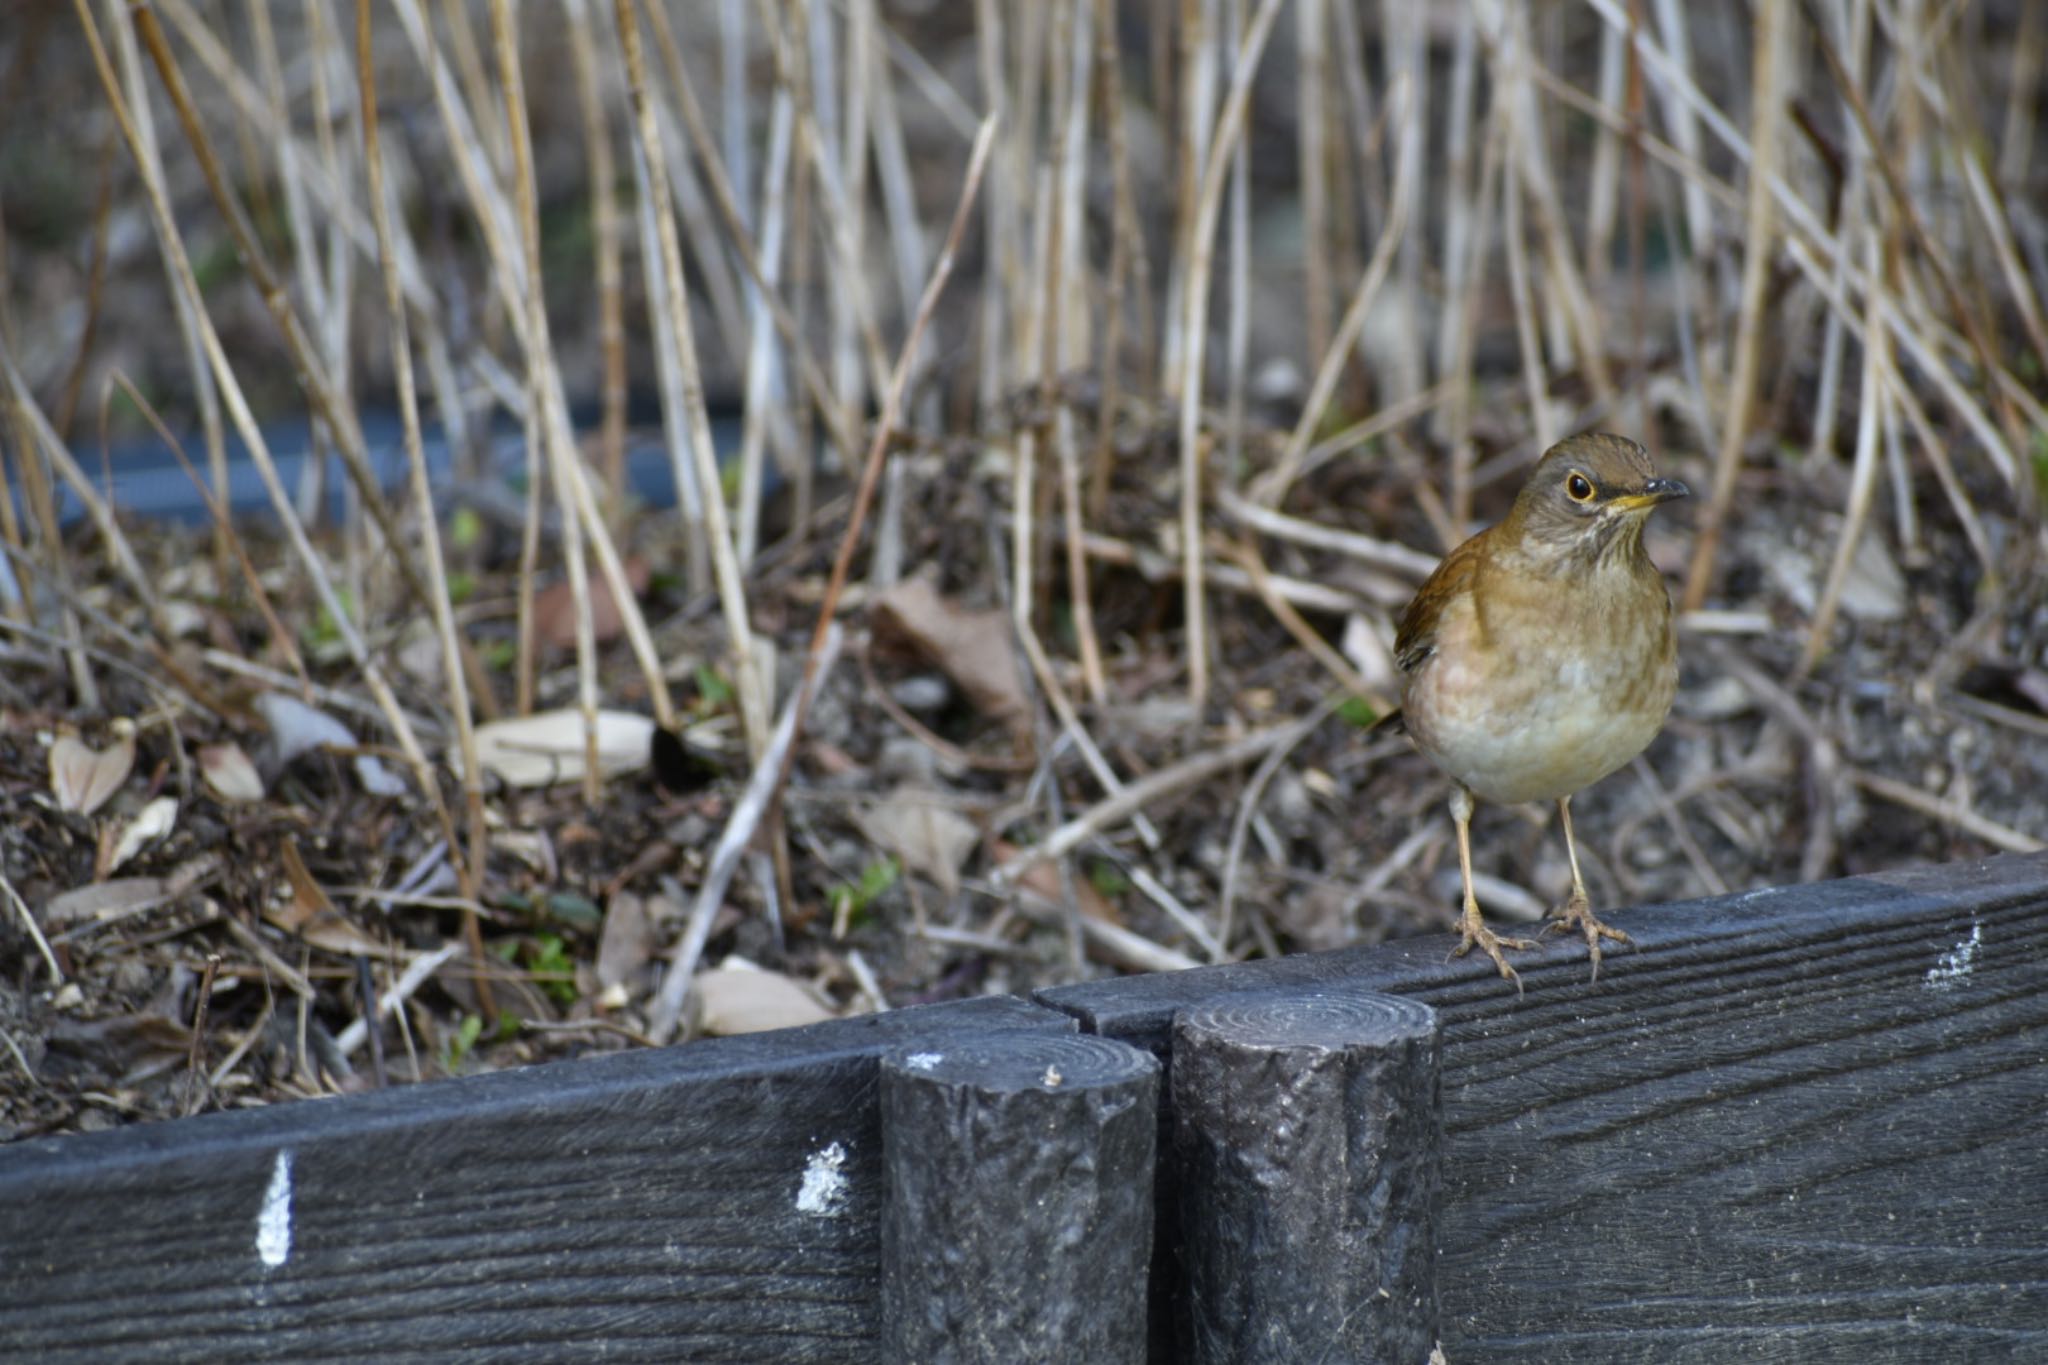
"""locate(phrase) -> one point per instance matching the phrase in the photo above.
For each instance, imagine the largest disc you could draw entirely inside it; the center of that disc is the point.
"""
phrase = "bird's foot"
(1473, 934)
(1577, 913)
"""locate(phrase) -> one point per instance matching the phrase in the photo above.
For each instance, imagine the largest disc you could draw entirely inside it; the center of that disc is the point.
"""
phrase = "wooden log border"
(1807, 1123)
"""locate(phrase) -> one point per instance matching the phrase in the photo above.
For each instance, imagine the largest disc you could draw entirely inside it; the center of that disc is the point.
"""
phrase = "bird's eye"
(1579, 487)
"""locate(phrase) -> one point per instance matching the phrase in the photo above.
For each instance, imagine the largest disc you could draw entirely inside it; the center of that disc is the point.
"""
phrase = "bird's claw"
(1577, 913)
(1478, 936)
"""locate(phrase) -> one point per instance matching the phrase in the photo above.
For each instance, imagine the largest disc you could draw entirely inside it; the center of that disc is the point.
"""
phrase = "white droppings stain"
(274, 1223)
(823, 1193)
(1953, 967)
(923, 1061)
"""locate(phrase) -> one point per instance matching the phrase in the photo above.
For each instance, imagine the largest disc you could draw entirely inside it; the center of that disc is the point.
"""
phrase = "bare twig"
(747, 814)
(1138, 795)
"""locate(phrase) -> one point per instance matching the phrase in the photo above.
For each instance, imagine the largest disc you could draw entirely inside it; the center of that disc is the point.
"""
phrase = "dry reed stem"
(1528, 347)
(841, 425)
(26, 418)
(1871, 418)
(1392, 556)
(1247, 807)
(1330, 370)
(469, 867)
(1121, 806)
(559, 453)
(173, 248)
(892, 404)
(755, 804)
(510, 276)
(753, 690)
(760, 369)
(1070, 722)
(604, 212)
(1948, 811)
(1773, 38)
(1335, 664)
(1195, 293)
(1064, 346)
(149, 159)
(281, 639)
(1311, 32)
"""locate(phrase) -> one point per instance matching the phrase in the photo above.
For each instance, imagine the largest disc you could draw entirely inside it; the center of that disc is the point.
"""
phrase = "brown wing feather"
(1415, 637)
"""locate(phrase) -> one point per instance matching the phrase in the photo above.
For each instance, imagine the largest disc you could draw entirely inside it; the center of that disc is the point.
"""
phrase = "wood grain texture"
(1805, 1124)
(1017, 1223)
(1306, 1147)
(718, 1201)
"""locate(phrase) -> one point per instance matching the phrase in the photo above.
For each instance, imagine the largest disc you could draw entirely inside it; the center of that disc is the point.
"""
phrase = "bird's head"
(1588, 498)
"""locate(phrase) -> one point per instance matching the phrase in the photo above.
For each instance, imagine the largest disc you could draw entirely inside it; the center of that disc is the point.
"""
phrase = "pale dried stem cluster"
(1429, 185)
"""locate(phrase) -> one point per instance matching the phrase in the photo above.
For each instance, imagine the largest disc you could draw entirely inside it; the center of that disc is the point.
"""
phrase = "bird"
(1540, 657)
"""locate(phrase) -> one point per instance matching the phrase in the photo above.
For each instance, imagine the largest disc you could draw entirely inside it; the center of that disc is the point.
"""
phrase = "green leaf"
(465, 528)
(1359, 712)
(1106, 877)
(712, 688)
(573, 909)
(466, 1033)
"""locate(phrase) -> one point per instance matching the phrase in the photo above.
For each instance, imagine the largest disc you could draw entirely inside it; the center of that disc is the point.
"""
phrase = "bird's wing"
(1415, 638)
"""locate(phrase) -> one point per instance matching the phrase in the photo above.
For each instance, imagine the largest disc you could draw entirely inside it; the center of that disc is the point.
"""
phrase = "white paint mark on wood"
(923, 1061)
(1954, 967)
(823, 1192)
(274, 1223)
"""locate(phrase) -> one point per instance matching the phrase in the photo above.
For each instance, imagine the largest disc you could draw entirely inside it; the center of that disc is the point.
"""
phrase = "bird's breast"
(1574, 688)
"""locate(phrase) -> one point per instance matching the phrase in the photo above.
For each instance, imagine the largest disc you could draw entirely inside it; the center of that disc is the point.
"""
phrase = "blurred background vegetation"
(1114, 369)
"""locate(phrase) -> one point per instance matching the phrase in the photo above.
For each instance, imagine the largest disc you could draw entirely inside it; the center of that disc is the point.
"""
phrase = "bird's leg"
(1577, 912)
(1472, 932)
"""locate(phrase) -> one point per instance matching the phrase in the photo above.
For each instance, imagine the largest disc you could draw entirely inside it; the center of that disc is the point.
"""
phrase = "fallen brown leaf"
(736, 999)
(976, 649)
(82, 778)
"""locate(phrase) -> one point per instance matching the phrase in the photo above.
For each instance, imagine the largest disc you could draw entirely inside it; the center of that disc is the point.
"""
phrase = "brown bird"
(1539, 657)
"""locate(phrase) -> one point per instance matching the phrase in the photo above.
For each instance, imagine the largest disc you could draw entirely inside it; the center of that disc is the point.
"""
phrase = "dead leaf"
(1043, 881)
(82, 778)
(124, 1041)
(976, 649)
(124, 896)
(932, 840)
(296, 727)
(309, 898)
(739, 997)
(547, 747)
(103, 900)
(627, 942)
(151, 823)
(310, 912)
(228, 771)
(554, 610)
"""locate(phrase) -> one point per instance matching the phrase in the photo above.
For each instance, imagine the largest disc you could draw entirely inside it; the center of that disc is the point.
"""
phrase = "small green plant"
(323, 637)
(466, 1033)
(714, 693)
(851, 900)
(553, 970)
(1359, 712)
(1106, 877)
(466, 529)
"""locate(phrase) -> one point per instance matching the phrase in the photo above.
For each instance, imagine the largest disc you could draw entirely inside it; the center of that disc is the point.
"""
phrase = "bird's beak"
(1655, 491)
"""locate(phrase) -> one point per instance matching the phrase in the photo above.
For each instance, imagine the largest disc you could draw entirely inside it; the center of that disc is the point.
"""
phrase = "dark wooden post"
(1308, 1133)
(1017, 1214)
